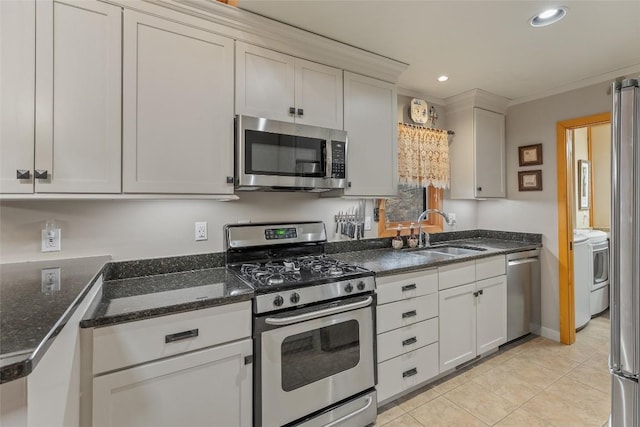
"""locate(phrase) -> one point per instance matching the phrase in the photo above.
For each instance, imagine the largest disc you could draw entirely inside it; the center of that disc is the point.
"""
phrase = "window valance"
(423, 156)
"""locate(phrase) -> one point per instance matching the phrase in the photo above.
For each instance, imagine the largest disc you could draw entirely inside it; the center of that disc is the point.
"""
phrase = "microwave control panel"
(338, 155)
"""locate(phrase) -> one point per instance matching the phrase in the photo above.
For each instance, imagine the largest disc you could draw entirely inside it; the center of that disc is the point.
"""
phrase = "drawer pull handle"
(410, 341)
(410, 373)
(411, 313)
(410, 287)
(181, 336)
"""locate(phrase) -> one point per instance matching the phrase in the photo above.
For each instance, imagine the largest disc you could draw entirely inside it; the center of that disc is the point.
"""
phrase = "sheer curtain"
(423, 156)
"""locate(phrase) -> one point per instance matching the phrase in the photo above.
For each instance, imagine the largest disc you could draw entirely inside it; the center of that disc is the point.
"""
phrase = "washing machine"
(581, 278)
(599, 270)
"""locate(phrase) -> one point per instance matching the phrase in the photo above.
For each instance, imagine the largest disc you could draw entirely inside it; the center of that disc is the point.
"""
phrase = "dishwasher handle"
(523, 261)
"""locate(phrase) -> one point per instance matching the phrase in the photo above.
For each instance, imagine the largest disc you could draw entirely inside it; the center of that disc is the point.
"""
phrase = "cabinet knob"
(479, 188)
(41, 174)
(300, 112)
(229, 180)
(292, 110)
(349, 184)
(23, 174)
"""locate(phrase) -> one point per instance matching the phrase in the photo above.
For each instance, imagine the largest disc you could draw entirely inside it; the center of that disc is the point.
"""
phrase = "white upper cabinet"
(177, 108)
(477, 151)
(370, 120)
(78, 103)
(488, 134)
(280, 87)
(61, 133)
(17, 94)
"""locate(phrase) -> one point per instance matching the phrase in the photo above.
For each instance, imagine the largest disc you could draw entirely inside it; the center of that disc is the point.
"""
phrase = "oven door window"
(601, 266)
(284, 155)
(320, 353)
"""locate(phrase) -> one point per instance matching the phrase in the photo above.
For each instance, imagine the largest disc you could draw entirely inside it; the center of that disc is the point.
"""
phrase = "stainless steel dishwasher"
(523, 293)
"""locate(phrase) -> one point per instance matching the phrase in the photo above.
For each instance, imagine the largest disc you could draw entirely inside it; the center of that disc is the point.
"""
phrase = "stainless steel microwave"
(275, 155)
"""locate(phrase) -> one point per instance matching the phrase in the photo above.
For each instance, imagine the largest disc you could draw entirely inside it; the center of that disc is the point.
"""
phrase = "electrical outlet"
(367, 223)
(452, 218)
(201, 231)
(51, 240)
(50, 280)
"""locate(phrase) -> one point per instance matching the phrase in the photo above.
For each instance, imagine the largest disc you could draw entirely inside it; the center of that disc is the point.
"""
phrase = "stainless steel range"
(314, 340)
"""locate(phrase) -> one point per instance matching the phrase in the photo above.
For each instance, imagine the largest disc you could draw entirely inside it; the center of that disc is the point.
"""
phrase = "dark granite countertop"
(137, 298)
(385, 262)
(32, 315)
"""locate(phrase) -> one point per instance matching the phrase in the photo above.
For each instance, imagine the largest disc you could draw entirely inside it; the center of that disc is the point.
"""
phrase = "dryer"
(581, 278)
(599, 270)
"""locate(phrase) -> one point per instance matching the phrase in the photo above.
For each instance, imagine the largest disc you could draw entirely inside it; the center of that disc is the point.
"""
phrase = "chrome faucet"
(422, 217)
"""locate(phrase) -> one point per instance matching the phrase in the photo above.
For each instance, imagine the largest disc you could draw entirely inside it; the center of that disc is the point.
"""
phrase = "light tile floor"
(536, 383)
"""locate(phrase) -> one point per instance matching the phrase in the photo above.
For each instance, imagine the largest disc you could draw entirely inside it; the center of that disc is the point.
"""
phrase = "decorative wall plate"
(419, 111)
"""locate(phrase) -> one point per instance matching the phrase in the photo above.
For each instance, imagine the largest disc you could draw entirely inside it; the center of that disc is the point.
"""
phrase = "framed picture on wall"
(584, 184)
(530, 180)
(529, 155)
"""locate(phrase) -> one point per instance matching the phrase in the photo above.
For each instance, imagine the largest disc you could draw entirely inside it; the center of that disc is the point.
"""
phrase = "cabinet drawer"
(406, 371)
(119, 346)
(407, 312)
(457, 274)
(490, 267)
(410, 285)
(406, 339)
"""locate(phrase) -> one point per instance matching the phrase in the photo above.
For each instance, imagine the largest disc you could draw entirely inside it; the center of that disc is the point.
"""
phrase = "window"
(402, 211)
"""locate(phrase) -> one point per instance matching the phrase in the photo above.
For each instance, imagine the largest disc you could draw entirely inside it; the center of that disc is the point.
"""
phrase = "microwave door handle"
(326, 153)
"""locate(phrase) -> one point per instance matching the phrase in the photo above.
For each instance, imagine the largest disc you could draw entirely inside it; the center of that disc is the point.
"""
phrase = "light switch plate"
(367, 223)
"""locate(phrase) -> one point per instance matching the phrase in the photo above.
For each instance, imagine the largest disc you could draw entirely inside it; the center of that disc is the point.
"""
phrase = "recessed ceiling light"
(548, 16)
(443, 78)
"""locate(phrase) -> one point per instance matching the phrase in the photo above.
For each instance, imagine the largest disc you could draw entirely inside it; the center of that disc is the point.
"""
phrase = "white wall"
(580, 152)
(536, 211)
(601, 170)
(133, 229)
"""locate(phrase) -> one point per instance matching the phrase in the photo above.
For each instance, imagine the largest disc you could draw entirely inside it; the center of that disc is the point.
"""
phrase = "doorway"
(575, 206)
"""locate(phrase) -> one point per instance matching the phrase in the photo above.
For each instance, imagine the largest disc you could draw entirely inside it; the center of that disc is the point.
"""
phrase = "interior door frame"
(566, 198)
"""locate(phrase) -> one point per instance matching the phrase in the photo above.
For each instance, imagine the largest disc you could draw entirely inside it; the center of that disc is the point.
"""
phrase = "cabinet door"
(203, 388)
(488, 130)
(78, 103)
(318, 92)
(370, 120)
(17, 92)
(457, 326)
(178, 108)
(491, 313)
(264, 83)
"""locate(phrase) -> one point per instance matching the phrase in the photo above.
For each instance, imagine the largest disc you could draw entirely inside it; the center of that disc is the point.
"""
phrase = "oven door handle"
(283, 321)
(353, 414)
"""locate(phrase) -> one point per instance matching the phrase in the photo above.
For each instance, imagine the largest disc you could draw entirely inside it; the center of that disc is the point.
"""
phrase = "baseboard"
(551, 334)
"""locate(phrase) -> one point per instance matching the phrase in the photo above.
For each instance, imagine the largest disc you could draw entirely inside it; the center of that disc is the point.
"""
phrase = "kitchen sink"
(445, 251)
(455, 250)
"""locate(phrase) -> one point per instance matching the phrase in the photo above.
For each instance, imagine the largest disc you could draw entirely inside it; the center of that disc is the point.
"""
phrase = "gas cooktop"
(276, 275)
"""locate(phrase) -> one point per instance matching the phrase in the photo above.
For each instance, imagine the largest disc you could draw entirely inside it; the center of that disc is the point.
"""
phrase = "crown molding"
(606, 77)
(261, 31)
(416, 94)
(476, 98)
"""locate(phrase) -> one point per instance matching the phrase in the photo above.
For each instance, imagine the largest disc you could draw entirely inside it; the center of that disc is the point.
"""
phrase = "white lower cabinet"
(407, 371)
(183, 369)
(205, 388)
(407, 328)
(473, 316)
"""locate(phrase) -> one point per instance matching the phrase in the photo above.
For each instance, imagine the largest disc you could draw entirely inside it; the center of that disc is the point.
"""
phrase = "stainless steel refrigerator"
(624, 361)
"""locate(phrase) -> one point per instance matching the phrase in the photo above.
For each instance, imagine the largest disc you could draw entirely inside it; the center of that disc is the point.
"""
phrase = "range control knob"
(361, 285)
(278, 301)
(295, 298)
(348, 288)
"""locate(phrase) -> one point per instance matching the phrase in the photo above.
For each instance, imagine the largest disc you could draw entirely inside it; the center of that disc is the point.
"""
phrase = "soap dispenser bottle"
(412, 240)
(397, 241)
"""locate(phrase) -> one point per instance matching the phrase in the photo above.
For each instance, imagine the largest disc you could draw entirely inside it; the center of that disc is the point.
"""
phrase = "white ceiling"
(479, 44)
